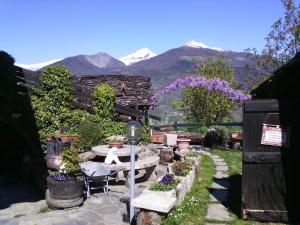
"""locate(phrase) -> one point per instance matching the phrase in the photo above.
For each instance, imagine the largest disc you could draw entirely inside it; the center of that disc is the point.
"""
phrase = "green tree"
(104, 98)
(202, 106)
(282, 43)
(52, 102)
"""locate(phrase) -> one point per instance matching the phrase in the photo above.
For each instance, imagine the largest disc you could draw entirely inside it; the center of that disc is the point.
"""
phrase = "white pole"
(132, 181)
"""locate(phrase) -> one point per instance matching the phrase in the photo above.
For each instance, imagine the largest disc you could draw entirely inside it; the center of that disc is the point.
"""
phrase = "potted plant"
(157, 138)
(69, 137)
(183, 143)
(182, 168)
(116, 141)
(167, 183)
(65, 185)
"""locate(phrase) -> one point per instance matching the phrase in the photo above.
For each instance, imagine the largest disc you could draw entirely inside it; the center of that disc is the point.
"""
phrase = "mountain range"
(162, 68)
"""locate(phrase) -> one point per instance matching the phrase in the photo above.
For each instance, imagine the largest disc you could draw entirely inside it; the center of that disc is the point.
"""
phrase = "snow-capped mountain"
(195, 44)
(37, 66)
(139, 55)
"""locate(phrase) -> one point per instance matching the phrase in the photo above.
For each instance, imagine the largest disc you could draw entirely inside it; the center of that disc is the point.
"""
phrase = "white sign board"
(274, 135)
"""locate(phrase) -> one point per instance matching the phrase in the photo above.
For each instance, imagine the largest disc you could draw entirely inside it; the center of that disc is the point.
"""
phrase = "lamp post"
(132, 132)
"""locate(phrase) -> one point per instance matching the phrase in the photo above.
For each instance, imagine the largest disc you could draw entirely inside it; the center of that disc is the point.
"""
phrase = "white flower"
(62, 168)
(116, 138)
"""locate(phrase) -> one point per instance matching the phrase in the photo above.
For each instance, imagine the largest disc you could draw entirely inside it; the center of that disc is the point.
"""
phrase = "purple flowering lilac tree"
(195, 81)
(208, 95)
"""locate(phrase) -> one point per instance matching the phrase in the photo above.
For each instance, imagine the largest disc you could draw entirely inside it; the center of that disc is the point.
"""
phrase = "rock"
(148, 218)
(220, 184)
(86, 156)
(219, 195)
(222, 168)
(218, 212)
(159, 201)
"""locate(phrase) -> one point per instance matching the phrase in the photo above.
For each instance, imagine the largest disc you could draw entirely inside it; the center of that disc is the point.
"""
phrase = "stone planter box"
(157, 203)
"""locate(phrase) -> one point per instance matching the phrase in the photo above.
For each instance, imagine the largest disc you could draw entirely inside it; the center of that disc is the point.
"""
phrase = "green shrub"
(52, 103)
(104, 97)
(216, 136)
(90, 133)
(222, 132)
(71, 160)
(95, 130)
(202, 129)
(145, 135)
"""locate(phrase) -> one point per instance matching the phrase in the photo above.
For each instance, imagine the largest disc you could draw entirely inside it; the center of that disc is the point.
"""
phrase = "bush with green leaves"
(90, 133)
(95, 130)
(71, 160)
(104, 97)
(145, 135)
(216, 136)
(52, 102)
(167, 183)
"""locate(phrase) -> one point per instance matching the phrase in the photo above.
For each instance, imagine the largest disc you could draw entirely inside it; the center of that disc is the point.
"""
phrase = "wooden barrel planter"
(66, 194)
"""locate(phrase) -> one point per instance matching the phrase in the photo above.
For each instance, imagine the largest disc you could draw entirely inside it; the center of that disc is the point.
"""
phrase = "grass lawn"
(194, 207)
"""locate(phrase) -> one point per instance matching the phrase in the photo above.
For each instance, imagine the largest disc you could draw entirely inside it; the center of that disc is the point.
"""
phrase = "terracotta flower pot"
(157, 138)
(183, 144)
(69, 138)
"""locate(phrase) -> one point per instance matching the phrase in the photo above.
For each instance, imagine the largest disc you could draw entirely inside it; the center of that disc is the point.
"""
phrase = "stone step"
(220, 163)
(221, 175)
(220, 184)
(217, 195)
(222, 168)
(218, 212)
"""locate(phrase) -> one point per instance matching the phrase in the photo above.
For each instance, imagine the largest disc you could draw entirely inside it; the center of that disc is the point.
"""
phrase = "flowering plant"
(167, 183)
(69, 169)
(116, 139)
(182, 168)
(193, 81)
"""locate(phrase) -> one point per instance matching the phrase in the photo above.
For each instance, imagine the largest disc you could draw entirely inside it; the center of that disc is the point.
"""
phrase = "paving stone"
(219, 195)
(72, 222)
(220, 163)
(221, 175)
(222, 168)
(218, 212)
(220, 184)
(218, 160)
(9, 222)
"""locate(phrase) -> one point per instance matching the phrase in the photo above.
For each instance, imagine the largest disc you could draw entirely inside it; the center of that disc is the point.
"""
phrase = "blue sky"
(39, 30)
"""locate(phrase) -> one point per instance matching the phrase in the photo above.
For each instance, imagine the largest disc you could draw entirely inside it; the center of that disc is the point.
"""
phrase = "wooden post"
(146, 111)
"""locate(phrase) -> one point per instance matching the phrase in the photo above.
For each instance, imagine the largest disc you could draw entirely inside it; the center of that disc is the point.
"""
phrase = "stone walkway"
(216, 211)
(100, 209)
(21, 205)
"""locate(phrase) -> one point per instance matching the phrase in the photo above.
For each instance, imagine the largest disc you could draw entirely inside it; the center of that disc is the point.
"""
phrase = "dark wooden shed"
(270, 173)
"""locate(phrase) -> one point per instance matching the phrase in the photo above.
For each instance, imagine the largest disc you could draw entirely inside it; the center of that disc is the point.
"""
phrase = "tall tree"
(204, 106)
(282, 43)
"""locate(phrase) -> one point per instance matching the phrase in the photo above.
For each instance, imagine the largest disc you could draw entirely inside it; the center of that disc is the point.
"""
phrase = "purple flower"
(167, 179)
(60, 177)
(179, 171)
(213, 85)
